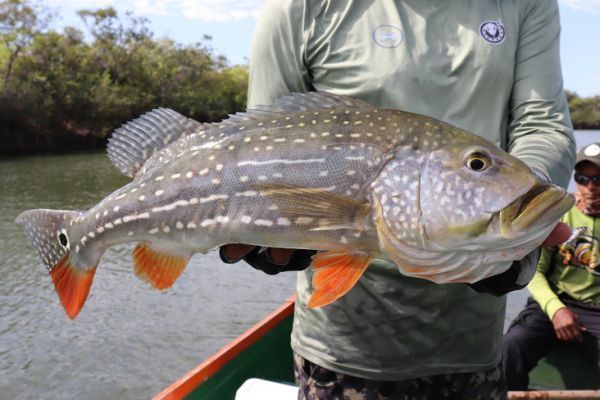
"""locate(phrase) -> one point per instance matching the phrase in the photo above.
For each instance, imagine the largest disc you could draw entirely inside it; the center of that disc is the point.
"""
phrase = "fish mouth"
(541, 205)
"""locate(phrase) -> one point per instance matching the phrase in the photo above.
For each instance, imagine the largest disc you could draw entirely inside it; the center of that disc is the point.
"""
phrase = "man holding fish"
(492, 68)
(411, 214)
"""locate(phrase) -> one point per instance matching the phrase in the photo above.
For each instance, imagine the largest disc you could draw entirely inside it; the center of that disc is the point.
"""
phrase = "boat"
(260, 361)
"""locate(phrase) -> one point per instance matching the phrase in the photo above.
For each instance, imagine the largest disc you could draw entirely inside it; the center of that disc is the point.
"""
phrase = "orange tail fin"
(335, 274)
(72, 285)
(158, 267)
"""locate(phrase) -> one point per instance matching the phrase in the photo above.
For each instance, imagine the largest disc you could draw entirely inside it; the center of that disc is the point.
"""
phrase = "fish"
(310, 171)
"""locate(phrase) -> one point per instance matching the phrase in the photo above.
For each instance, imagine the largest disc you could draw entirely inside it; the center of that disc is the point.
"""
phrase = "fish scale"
(314, 171)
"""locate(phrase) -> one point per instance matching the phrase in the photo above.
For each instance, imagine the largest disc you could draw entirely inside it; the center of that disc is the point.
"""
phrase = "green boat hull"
(264, 352)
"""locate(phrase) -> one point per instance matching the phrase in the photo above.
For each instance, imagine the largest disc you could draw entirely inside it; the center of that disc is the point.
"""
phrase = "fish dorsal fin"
(136, 141)
(308, 102)
(295, 102)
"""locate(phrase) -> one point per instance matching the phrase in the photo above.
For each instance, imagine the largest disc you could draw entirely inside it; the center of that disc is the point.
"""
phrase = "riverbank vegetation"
(68, 89)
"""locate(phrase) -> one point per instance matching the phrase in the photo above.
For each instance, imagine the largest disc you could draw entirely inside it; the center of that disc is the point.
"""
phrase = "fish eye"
(62, 238)
(477, 162)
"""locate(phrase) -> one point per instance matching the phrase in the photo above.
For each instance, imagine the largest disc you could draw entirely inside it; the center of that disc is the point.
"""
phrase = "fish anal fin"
(327, 210)
(159, 267)
(335, 274)
(72, 285)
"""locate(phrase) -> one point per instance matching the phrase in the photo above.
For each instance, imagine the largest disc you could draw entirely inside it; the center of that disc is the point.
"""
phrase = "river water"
(129, 341)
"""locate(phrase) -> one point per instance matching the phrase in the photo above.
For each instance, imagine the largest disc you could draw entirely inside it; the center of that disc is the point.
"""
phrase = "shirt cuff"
(553, 306)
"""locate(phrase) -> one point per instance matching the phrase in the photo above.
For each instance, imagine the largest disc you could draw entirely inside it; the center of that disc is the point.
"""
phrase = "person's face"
(588, 192)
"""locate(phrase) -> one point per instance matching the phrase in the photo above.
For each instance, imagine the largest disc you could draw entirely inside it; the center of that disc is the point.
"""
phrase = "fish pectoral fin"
(72, 284)
(325, 210)
(335, 274)
(157, 266)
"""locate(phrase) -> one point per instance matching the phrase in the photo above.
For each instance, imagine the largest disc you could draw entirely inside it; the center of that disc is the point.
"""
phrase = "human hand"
(587, 201)
(567, 326)
(560, 234)
(232, 253)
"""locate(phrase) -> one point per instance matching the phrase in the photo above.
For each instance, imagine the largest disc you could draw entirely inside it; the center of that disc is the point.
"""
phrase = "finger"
(235, 252)
(280, 256)
(559, 234)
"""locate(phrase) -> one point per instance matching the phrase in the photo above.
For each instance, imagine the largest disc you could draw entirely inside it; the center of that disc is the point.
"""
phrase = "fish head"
(466, 195)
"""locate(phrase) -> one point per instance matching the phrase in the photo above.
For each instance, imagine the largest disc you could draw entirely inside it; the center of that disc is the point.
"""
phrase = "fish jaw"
(544, 204)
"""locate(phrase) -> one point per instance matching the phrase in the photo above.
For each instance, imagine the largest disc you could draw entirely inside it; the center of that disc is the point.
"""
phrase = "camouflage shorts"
(318, 383)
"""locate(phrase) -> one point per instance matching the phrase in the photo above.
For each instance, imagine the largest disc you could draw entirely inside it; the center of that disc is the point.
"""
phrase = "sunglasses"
(584, 179)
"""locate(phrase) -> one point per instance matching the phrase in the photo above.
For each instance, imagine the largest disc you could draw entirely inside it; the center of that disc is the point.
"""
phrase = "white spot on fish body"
(159, 178)
(323, 173)
(116, 208)
(118, 221)
(100, 230)
(264, 137)
(97, 215)
(175, 176)
(213, 197)
(243, 178)
(262, 178)
(153, 231)
(189, 174)
(303, 220)
(351, 172)
(283, 221)
(299, 140)
(142, 198)
(222, 219)
(166, 229)
(216, 181)
(159, 192)
(263, 222)
(289, 126)
(119, 197)
(247, 139)
(246, 219)
(343, 240)
(326, 121)
(269, 148)
(105, 213)
(279, 140)
(179, 225)
(91, 235)
(325, 134)
(280, 161)
(191, 225)
(277, 175)
(108, 225)
(247, 193)
(130, 233)
(128, 218)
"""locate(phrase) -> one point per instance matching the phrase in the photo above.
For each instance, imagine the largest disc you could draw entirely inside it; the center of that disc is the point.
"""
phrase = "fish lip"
(542, 204)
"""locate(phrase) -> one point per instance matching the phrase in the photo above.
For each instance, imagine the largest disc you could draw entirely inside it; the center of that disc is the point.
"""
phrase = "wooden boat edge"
(195, 377)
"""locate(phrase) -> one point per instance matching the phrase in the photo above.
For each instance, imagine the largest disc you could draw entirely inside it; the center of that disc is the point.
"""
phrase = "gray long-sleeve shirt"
(489, 67)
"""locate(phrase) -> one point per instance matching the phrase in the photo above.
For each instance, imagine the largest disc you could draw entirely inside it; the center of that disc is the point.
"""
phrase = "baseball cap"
(590, 153)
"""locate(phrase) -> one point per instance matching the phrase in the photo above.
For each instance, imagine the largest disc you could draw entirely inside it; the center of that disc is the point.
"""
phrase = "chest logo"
(388, 36)
(492, 31)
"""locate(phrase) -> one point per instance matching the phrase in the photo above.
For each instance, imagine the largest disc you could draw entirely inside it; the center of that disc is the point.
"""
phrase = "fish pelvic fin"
(157, 266)
(335, 274)
(325, 210)
(71, 271)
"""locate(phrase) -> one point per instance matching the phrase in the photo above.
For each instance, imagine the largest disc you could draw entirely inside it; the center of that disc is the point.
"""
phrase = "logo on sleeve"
(492, 31)
(388, 36)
